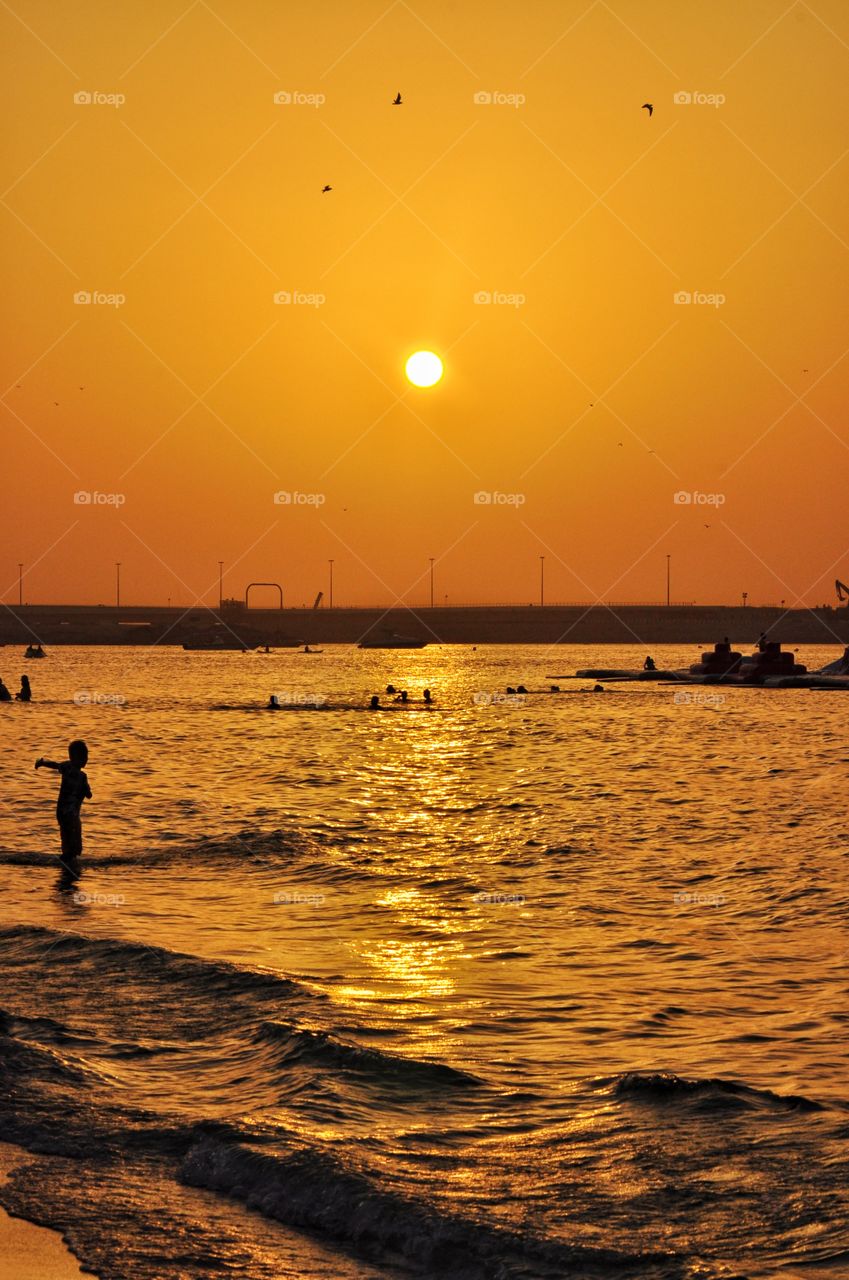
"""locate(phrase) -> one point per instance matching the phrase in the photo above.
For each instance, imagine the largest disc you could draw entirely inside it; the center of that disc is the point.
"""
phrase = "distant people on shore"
(24, 694)
(5, 695)
(73, 790)
(648, 665)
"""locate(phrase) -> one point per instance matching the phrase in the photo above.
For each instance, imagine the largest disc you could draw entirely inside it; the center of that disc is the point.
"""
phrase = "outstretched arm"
(41, 763)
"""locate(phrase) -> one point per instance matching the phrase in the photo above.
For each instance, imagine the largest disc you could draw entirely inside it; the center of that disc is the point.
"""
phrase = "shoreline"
(28, 1251)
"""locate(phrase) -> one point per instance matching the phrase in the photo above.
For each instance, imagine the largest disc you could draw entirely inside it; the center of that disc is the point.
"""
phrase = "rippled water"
(535, 987)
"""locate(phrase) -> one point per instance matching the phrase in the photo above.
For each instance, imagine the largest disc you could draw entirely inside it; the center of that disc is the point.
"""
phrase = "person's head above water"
(599, 688)
(427, 696)
(375, 702)
(390, 688)
(78, 753)
(273, 700)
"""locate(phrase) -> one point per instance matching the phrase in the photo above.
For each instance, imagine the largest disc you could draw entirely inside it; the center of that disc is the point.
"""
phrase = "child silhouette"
(73, 789)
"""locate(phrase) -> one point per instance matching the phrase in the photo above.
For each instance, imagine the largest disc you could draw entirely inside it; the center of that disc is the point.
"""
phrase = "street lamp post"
(330, 562)
(117, 584)
(541, 581)
(668, 579)
(431, 581)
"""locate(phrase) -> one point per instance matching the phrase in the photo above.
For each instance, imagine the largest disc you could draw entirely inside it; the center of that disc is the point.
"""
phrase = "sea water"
(534, 985)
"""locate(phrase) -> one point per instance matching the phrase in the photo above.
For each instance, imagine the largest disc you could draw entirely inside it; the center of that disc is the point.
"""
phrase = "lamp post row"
(330, 592)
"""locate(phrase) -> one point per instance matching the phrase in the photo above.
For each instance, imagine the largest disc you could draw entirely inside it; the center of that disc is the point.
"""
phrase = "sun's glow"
(424, 368)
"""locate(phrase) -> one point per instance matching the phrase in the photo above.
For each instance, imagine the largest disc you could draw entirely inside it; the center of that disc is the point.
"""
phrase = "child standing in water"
(73, 789)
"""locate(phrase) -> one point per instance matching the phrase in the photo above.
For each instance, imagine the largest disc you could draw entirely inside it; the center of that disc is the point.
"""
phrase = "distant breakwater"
(639, 625)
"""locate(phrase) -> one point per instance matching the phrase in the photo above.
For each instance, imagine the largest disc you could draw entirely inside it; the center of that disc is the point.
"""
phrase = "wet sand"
(28, 1252)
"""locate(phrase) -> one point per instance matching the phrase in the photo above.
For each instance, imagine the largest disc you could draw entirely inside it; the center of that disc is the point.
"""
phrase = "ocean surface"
(527, 987)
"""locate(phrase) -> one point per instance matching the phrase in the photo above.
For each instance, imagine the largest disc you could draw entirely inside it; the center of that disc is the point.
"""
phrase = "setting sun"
(424, 369)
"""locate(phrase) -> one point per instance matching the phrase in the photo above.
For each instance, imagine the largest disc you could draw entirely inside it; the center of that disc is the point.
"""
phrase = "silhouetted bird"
(396, 102)
(647, 106)
(323, 189)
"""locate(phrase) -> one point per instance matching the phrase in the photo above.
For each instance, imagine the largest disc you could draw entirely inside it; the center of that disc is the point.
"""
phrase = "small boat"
(34, 651)
(391, 640)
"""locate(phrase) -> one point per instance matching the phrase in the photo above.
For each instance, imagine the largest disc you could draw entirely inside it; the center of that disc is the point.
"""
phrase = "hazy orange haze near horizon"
(582, 390)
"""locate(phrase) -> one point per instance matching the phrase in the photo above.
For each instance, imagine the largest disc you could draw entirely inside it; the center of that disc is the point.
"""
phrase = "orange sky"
(198, 198)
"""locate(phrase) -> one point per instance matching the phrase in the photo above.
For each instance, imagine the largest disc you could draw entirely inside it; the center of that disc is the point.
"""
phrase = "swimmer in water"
(374, 705)
(427, 697)
(273, 703)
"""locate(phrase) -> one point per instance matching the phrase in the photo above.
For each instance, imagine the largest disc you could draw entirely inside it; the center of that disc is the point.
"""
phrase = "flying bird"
(396, 101)
(323, 189)
(648, 106)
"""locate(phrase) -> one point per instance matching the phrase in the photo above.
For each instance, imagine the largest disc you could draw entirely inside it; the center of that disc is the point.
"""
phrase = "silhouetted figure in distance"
(24, 694)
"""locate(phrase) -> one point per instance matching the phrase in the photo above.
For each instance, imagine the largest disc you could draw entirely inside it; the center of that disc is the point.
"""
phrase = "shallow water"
(532, 987)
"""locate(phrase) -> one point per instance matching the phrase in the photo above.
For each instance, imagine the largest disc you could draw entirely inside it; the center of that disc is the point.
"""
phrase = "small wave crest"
(312, 1189)
(708, 1094)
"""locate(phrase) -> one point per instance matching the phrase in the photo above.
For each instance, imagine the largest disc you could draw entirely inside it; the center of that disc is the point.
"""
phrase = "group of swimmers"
(403, 697)
(24, 694)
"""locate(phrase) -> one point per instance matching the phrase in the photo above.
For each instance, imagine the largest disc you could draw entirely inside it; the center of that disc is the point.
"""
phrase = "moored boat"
(391, 640)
